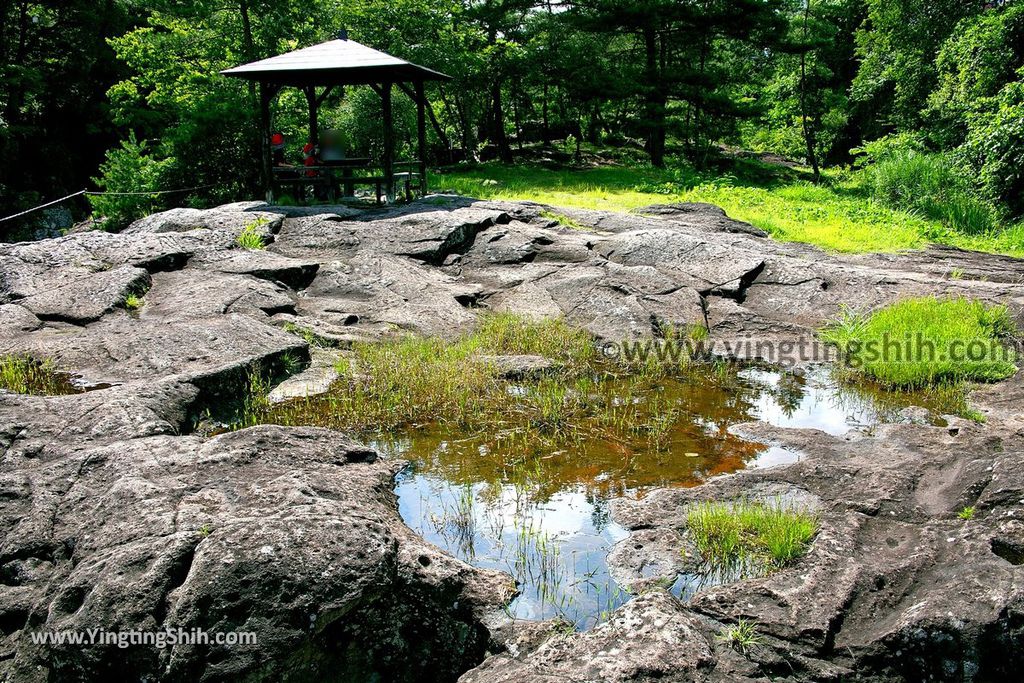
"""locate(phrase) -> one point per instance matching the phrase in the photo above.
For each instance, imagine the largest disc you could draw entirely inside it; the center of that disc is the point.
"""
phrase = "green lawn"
(837, 215)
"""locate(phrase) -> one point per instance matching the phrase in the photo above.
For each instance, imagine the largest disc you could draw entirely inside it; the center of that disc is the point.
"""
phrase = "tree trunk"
(498, 124)
(654, 105)
(810, 132)
(546, 130)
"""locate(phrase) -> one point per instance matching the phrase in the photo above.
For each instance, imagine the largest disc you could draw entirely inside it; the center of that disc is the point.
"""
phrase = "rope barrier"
(94, 193)
(43, 206)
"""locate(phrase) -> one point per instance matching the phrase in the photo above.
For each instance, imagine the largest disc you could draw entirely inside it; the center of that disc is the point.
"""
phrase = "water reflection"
(541, 513)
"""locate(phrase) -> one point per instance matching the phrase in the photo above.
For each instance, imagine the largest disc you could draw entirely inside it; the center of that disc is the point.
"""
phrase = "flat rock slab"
(316, 379)
(227, 219)
(88, 297)
(294, 273)
(652, 637)
(122, 348)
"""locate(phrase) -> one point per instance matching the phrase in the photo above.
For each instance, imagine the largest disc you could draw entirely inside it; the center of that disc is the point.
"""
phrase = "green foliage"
(994, 148)
(55, 66)
(250, 237)
(129, 168)
(981, 57)
(747, 537)
(133, 302)
(966, 513)
(931, 185)
(897, 47)
(927, 341)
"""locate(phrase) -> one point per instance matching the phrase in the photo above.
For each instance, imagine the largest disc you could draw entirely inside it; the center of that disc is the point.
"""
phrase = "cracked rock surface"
(116, 517)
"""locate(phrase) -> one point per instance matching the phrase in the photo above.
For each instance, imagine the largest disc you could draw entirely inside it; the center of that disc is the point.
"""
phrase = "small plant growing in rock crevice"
(742, 636)
(564, 221)
(250, 237)
(133, 302)
(966, 513)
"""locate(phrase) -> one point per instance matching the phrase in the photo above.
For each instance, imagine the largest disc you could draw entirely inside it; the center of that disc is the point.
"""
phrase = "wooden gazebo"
(335, 64)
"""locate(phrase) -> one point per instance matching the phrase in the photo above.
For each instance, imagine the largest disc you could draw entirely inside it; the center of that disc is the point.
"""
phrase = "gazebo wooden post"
(311, 100)
(421, 134)
(389, 142)
(266, 162)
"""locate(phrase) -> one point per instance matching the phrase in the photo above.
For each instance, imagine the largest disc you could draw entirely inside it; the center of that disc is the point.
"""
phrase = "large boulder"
(290, 535)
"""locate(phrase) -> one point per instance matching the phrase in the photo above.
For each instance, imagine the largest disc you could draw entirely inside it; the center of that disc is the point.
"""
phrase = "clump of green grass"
(564, 220)
(966, 513)
(927, 341)
(744, 538)
(742, 636)
(930, 185)
(25, 375)
(249, 237)
(307, 334)
(510, 334)
(133, 302)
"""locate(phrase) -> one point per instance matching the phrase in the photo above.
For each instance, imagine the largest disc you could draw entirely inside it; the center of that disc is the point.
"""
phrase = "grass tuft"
(249, 237)
(966, 513)
(133, 302)
(927, 341)
(745, 538)
(742, 636)
(26, 375)
(565, 221)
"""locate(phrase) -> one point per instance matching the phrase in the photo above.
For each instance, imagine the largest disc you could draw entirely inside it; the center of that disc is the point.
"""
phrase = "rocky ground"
(115, 515)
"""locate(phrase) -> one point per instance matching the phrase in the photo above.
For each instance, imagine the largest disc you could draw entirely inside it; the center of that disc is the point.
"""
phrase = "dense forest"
(126, 96)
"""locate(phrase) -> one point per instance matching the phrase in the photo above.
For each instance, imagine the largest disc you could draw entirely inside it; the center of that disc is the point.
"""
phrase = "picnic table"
(331, 179)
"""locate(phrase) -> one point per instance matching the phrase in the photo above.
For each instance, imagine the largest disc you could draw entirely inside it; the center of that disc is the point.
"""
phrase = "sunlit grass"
(746, 538)
(927, 341)
(412, 381)
(838, 215)
(25, 375)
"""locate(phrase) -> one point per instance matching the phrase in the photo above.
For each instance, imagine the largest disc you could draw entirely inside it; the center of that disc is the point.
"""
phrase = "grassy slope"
(837, 216)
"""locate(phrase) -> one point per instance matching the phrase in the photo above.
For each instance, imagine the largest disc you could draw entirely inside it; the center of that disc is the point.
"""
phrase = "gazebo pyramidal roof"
(335, 62)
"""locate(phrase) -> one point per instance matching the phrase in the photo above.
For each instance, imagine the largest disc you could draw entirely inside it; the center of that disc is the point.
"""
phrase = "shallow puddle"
(542, 514)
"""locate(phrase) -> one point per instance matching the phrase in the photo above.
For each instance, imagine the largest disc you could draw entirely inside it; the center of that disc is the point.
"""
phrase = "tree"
(682, 55)
(898, 44)
(55, 67)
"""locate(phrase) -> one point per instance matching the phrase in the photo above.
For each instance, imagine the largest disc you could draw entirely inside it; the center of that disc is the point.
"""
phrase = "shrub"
(994, 149)
(927, 341)
(128, 168)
